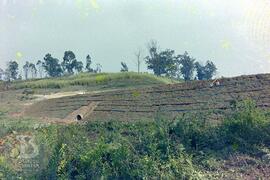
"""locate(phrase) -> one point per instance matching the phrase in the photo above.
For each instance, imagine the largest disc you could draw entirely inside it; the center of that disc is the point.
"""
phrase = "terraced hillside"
(170, 100)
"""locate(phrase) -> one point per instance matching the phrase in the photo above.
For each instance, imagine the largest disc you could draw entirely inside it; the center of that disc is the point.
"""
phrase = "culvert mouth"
(79, 117)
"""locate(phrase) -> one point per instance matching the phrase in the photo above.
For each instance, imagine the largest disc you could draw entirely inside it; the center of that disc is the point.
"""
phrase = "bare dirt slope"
(171, 100)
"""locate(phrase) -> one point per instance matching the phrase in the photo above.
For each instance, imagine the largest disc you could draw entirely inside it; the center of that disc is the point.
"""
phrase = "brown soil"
(245, 167)
(170, 100)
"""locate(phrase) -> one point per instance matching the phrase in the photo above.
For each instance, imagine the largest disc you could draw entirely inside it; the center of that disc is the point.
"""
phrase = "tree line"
(167, 63)
(161, 62)
(49, 67)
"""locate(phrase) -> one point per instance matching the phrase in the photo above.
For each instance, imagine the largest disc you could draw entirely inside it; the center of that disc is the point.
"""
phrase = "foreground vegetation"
(186, 148)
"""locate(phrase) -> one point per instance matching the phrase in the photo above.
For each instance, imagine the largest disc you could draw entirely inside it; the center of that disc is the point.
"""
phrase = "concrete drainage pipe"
(79, 117)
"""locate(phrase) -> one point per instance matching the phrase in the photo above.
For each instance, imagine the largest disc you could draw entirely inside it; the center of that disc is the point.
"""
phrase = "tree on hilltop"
(187, 66)
(33, 70)
(138, 55)
(70, 63)
(88, 64)
(98, 68)
(160, 62)
(210, 70)
(51, 66)
(2, 72)
(26, 69)
(12, 70)
(40, 68)
(79, 66)
(205, 72)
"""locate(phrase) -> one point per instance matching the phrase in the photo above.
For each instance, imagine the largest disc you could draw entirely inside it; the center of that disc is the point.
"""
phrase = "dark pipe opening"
(79, 117)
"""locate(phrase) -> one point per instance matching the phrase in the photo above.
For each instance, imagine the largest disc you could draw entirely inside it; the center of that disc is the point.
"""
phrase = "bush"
(191, 131)
(119, 151)
(247, 126)
(28, 91)
(101, 79)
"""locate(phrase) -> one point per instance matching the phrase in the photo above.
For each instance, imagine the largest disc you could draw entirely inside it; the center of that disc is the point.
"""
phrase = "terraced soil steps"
(173, 99)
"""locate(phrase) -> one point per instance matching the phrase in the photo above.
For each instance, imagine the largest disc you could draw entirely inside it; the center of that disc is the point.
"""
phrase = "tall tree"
(26, 68)
(1, 74)
(187, 66)
(7, 75)
(40, 68)
(88, 64)
(52, 66)
(163, 62)
(12, 70)
(33, 70)
(138, 55)
(169, 60)
(124, 67)
(153, 61)
(69, 62)
(98, 68)
(79, 66)
(200, 71)
(205, 72)
(19, 76)
(210, 70)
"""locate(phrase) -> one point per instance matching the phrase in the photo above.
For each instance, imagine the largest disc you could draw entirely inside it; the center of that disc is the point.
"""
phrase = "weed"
(101, 79)
(136, 94)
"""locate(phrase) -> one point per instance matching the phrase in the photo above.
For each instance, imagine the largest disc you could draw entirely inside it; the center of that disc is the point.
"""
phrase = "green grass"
(2, 87)
(184, 148)
(9, 124)
(114, 150)
(96, 81)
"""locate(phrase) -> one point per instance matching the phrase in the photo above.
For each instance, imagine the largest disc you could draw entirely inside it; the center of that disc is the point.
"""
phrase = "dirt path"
(57, 95)
(40, 97)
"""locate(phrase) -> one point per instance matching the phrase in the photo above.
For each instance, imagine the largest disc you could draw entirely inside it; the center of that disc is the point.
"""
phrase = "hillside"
(90, 81)
(137, 132)
(170, 100)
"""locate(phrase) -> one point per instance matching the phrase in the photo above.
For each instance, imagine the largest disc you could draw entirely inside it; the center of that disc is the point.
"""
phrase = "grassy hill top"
(95, 81)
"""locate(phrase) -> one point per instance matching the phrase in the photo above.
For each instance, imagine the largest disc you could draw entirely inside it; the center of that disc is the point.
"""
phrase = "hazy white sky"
(235, 34)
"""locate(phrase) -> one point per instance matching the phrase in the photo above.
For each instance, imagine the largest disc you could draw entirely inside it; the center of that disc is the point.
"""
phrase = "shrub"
(119, 151)
(247, 126)
(100, 79)
(192, 131)
(28, 91)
